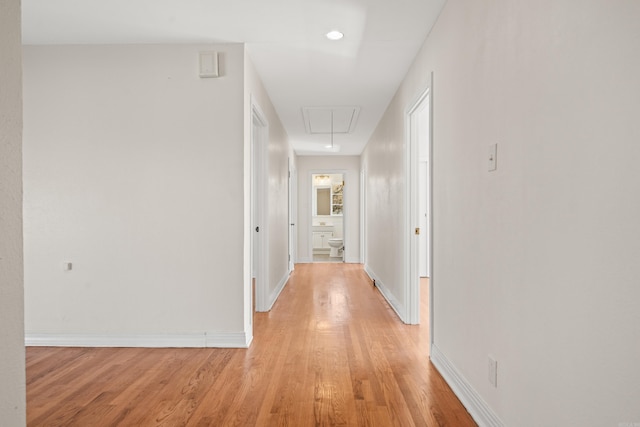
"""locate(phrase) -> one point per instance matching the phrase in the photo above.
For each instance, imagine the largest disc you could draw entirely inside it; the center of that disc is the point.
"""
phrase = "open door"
(419, 239)
(259, 229)
(292, 216)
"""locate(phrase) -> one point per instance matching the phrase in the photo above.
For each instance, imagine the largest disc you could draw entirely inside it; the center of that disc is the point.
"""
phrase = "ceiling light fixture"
(334, 35)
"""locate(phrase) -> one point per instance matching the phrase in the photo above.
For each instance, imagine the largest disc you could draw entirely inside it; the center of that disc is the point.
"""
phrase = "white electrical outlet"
(493, 371)
(493, 157)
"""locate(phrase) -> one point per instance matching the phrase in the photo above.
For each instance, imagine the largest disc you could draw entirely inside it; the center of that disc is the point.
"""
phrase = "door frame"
(423, 197)
(412, 276)
(259, 204)
(363, 217)
(344, 207)
(292, 178)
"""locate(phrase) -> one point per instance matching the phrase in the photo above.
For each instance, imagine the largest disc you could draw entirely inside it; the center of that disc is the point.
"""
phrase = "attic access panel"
(317, 120)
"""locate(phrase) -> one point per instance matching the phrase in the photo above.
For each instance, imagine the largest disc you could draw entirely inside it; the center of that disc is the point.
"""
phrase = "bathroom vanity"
(321, 239)
(321, 235)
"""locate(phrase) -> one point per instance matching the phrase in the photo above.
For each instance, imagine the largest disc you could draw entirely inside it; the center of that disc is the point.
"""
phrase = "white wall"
(134, 171)
(535, 263)
(306, 166)
(278, 153)
(383, 160)
(12, 363)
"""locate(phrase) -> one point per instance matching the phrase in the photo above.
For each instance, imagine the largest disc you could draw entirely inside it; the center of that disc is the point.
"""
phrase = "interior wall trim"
(228, 340)
(273, 297)
(216, 340)
(387, 294)
(477, 407)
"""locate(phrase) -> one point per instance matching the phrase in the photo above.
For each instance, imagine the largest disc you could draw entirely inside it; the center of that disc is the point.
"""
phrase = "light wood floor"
(331, 352)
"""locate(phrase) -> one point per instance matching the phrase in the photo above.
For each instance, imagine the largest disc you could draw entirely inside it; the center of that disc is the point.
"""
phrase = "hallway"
(331, 352)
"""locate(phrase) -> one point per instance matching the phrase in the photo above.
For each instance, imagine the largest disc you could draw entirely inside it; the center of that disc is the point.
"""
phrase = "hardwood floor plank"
(330, 353)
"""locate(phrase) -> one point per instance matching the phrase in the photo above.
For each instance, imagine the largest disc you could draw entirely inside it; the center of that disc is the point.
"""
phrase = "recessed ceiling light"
(334, 35)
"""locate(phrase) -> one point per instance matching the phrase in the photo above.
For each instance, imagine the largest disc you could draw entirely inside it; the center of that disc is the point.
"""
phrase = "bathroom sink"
(323, 227)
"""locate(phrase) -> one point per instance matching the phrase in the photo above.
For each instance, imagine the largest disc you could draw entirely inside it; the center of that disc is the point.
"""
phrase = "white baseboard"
(229, 340)
(386, 293)
(310, 260)
(277, 291)
(477, 407)
(221, 340)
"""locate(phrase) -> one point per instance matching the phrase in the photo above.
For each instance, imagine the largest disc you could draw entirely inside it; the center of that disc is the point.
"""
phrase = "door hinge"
(417, 231)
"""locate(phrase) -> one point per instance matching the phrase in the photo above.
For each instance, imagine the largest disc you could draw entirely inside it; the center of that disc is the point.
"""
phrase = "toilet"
(336, 246)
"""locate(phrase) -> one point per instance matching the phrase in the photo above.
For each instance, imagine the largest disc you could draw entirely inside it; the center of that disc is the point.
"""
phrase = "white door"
(423, 128)
(259, 207)
(423, 213)
(256, 280)
(363, 217)
(418, 239)
(292, 216)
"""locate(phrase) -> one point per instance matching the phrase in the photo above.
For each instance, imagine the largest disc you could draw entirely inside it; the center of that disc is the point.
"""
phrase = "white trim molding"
(228, 340)
(273, 297)
(472, 401)
(387, 294)
(201, 340)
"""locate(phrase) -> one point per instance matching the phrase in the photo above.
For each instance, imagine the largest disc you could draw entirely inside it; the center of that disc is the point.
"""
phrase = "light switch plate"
(493, 157)
(209, 64)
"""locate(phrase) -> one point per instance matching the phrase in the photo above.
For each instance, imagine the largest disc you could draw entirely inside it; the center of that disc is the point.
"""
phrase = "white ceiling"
(286, 42)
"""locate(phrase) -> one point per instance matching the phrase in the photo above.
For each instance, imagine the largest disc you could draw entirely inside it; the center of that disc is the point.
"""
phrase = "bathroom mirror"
(323, 201)
(327, 194)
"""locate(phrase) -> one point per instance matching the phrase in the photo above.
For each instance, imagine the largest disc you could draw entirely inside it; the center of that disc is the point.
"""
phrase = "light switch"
(208, 64)
(67, 266)
(493, 157)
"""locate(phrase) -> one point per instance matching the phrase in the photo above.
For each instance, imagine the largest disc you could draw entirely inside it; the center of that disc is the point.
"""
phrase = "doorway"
(363, 217)
(259, 207)
(292, 216)
(327, 217)
(419, 243)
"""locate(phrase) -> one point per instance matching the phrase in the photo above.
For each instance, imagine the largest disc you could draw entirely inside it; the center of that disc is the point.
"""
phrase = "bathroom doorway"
(327, 217)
